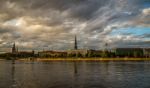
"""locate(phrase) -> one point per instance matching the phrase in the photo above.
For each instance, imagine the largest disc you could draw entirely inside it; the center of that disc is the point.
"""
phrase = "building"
(77, 53)
(146, 52)
(14, 49)
(17, 53)
(96, 53)
(129, 52)
(52, 54)
(25, 54)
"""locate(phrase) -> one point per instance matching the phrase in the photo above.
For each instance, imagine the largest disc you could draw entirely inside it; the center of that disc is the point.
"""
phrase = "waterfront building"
(25, 54)
(77, 53)
(14, 49)
(146, 52)
(52, 54)
(95, 53)
(17, 53)
(129, 52)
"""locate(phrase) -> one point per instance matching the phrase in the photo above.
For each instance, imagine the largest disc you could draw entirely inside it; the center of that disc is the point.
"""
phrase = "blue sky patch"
(132, 30)
(146, 4)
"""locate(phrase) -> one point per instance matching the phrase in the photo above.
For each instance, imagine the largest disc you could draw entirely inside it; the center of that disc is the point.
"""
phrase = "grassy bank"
(89, 59)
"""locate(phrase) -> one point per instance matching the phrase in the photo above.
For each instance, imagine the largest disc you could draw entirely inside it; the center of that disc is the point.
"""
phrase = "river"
(81, 74)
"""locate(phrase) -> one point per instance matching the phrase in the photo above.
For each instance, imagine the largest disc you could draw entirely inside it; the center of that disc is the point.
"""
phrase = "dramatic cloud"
(52, 24)
(146, 11)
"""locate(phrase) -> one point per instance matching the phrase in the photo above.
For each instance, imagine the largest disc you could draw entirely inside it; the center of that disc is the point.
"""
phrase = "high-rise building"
(75, 43)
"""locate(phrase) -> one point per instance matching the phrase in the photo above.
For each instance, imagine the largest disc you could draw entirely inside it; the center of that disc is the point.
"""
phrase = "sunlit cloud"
(52, 24)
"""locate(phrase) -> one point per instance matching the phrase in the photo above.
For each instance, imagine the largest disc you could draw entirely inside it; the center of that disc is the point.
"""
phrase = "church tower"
(14, 48)
(75, 43)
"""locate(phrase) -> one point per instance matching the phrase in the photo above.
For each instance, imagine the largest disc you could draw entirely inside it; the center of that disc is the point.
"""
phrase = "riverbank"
(87, 59)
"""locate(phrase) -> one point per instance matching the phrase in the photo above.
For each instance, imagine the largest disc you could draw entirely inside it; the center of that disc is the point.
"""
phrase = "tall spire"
(75, 43)
(14, 48)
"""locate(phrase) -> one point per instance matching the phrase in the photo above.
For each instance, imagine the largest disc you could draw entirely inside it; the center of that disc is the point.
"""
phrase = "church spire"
(75, 43)
(14, 48)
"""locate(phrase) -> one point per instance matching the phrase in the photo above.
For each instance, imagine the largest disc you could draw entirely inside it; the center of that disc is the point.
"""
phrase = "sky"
(53, 24)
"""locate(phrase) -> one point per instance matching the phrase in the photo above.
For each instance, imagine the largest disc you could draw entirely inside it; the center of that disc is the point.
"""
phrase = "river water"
(74, 74)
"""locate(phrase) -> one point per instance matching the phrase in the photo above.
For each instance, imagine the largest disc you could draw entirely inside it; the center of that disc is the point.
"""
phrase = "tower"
(14, 48)
(75, 43)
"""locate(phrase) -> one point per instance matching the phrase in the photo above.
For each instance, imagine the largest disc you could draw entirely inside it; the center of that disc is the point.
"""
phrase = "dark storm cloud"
(53, 23)
(77, 8)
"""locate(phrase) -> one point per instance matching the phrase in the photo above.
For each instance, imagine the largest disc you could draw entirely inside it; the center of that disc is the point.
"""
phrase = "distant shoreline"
(88, 59)
(82, 59)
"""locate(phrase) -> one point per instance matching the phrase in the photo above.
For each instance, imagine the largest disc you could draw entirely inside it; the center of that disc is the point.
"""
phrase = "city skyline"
(52, 24)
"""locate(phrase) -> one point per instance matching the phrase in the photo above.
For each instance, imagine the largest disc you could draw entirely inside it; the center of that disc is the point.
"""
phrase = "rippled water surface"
(74, 74)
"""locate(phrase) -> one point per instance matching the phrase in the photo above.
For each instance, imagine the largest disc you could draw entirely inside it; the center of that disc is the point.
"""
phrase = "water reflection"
(13, 75)
(14, 81)
(74, 74)
(75, 68)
